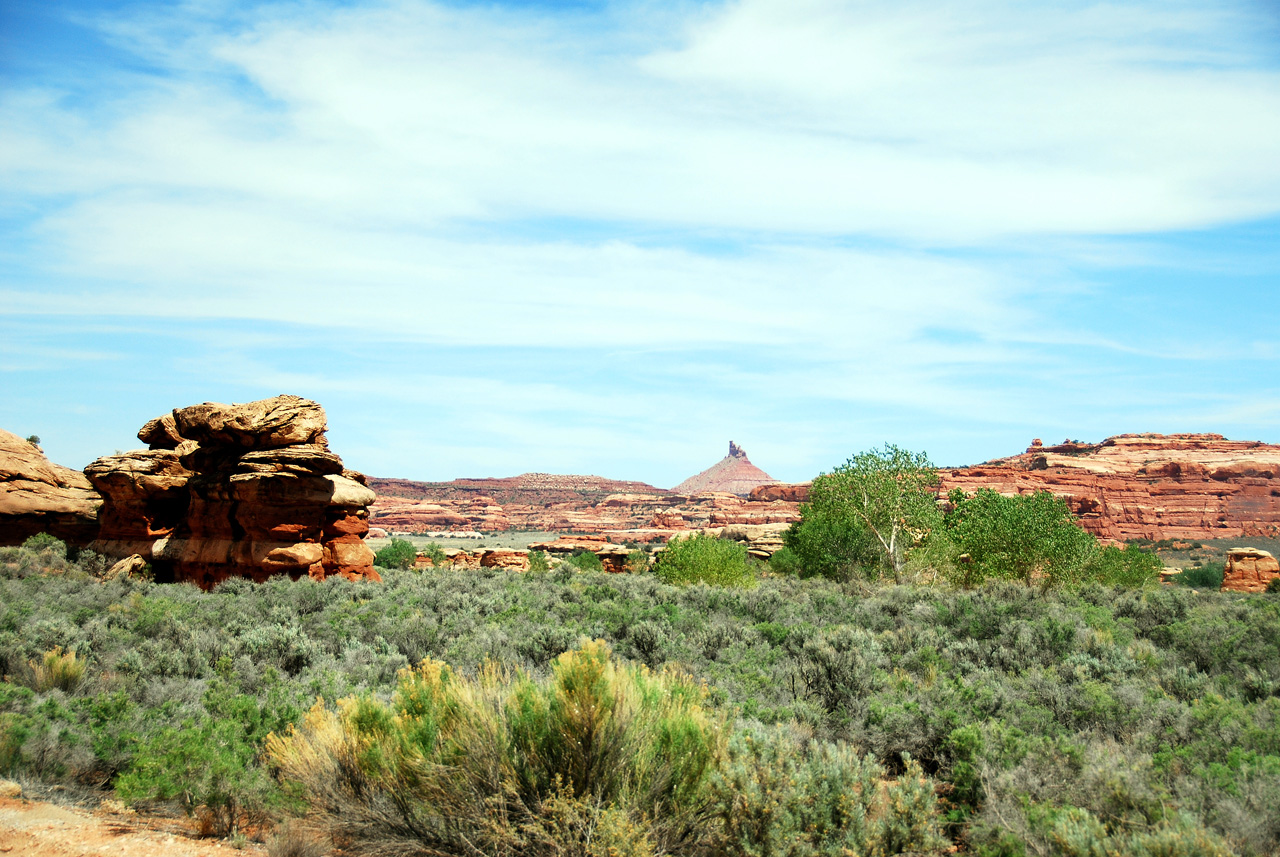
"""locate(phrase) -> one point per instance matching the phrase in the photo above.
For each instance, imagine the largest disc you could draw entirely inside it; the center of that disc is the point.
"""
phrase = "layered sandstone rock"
(37, 496)
(628, 516)
(1249, 570)
(1191, 486)
(225, 491)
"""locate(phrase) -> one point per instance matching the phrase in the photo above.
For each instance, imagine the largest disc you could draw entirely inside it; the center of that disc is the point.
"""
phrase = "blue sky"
(598, 237)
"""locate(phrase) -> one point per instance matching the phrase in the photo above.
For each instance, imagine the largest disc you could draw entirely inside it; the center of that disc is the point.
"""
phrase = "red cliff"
(1191, 486)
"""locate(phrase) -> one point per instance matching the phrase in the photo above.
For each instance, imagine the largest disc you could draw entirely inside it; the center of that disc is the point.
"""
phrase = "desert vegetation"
(985, 677)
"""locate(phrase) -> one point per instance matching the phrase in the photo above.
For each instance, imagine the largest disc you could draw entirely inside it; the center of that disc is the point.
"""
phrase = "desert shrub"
(291, 839)
(204, 765)
(1273, 586)
(399, 554)
(46, 542)
(704, 558)
(777, 798)
(502, 764)
(538, 563)
(435, 553)
(637, 562)
(586, 561)
(1204, 577)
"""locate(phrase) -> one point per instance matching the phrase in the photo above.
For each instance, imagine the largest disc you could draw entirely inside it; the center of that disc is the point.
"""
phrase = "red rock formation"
(733, 474)
(1190, 486)
(236, 491)
(37, 496)
(789, 493)
(1249, 570)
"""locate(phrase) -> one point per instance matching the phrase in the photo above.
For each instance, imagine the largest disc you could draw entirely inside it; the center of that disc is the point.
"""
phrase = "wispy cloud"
(878, 211)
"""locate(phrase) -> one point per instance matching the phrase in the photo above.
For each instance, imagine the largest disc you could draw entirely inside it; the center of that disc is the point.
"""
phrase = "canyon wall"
(1187, 486)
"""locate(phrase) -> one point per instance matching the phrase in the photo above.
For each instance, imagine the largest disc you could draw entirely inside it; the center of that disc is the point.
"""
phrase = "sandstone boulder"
(1249, 570)
(236, 491)
(37, 496)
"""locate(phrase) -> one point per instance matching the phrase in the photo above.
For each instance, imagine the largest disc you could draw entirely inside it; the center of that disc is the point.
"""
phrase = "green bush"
(503, 764)
(399, 554)
(786, 561)
(703, 558)
(586, 560)
(1204, 577)
(1130, 567)
(46, 543)
(538, 563)
(435, 553)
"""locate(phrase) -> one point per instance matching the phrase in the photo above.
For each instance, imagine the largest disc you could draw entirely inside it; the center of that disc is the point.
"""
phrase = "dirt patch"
(42, 829)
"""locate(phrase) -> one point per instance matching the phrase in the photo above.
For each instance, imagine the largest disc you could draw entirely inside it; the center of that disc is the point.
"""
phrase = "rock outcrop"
(226, 491)
(733, 474)
(1189, 486)
(1249, 570)
(37, 496)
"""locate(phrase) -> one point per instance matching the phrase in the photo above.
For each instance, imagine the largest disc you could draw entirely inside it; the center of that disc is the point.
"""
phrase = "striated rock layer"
(37, 496)
(226, 491)
(1191, 486)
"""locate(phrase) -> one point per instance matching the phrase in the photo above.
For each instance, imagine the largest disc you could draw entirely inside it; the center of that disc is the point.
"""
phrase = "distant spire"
(736, 451)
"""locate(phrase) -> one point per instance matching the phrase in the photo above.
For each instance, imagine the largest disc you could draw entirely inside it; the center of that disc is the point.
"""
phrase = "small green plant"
(637, 562)
(704, 558)
(538, 563)
(33, 439)
(435, 553)
(1273, 586)
(399, 554)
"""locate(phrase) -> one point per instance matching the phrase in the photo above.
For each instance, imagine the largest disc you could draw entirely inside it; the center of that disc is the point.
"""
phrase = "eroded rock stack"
(37, 496)
(1249, 570)
(226, 491)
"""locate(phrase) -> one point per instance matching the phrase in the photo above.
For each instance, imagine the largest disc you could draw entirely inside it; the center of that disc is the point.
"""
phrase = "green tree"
(1032, 538)
(398, 554)
(870, 510)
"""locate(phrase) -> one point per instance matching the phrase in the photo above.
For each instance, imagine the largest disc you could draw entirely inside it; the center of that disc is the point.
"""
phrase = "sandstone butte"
(224, 491)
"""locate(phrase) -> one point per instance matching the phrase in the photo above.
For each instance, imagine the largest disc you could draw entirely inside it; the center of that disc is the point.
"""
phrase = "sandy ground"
(29, 827)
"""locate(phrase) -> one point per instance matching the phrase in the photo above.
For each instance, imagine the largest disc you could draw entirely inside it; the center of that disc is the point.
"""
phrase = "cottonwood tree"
(876, 506)
(1031, 538)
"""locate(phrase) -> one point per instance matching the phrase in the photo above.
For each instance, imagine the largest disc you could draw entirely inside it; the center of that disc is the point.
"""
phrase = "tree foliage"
(398, 554)
(869, 511)
(704, 559)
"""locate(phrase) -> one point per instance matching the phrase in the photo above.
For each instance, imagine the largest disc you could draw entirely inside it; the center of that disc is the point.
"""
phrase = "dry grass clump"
(56, 669)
